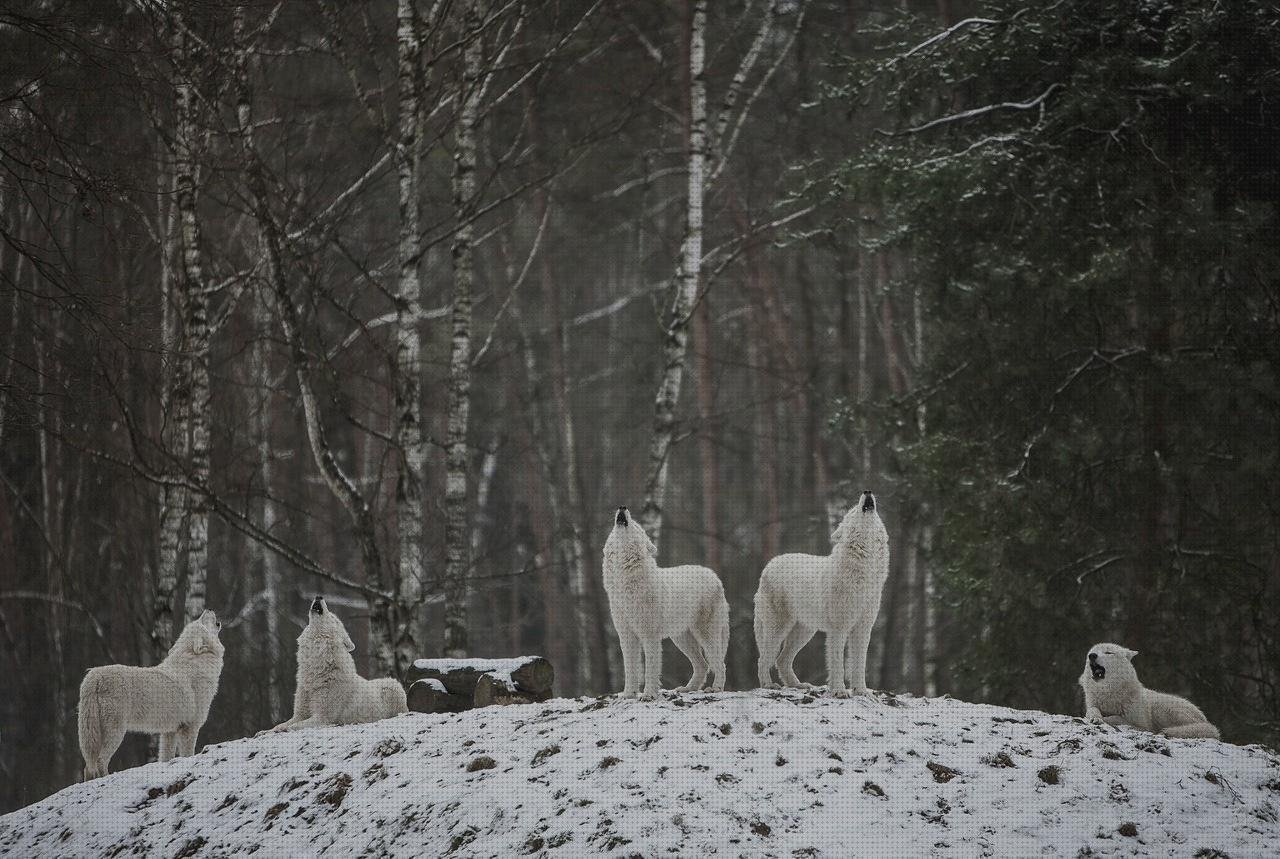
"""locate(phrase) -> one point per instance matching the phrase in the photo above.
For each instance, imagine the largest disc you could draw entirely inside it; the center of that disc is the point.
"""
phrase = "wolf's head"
(628, 538)
(200, 637)
(1110, 664)
(862, 520)
(324, 624)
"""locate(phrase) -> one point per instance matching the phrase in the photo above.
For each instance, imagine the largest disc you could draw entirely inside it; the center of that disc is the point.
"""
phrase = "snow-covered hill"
(756, 774)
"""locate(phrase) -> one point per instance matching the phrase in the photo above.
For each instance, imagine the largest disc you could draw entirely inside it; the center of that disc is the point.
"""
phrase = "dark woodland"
(397, 300)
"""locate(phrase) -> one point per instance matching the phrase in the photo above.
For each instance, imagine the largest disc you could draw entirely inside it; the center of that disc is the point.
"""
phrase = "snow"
(743, 773)
(482, 666)
(431, 683)
(498, 669)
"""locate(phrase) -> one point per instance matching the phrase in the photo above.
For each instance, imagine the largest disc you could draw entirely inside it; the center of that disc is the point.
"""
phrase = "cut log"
(490, 690)
(430, 696)
(525, 679)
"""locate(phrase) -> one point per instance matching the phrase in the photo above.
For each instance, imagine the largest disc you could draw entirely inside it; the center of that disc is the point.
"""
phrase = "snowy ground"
(752, 773)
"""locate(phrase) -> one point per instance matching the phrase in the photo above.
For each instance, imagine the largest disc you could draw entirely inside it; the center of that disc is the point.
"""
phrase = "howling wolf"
(838, 594)
(328, 690)
(170, 699)
(650, 603)
(1112, 694)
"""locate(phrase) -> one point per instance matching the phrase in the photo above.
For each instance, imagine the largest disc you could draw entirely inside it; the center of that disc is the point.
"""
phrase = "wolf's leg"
(771, 631)
(856, 668)
(184, 740)
(835, 662)
(796, 639)
(1195, 730)
(631, 661)
(689, 646)
(101, 746)
(712, 636)
(301, 724)
(166, 746)
(652, 667)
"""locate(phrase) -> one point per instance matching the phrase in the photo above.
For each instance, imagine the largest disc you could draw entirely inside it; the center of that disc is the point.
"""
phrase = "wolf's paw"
(840, 693)
(770, 685)
(688, 687)
(627, 693)
(648, 696)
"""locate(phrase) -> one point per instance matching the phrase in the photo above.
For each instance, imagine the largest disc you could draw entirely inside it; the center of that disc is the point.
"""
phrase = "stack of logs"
(454, 685)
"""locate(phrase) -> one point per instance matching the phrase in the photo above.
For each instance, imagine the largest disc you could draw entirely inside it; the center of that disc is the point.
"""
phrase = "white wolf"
(170, 699)
(328, 689)
(838, 594)
(650, 603)
(1112, 694)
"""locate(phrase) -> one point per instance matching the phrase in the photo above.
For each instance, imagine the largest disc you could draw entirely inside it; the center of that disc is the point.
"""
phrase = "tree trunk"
(687, 279)
(411, 461)
(270, 565)
(457, 562)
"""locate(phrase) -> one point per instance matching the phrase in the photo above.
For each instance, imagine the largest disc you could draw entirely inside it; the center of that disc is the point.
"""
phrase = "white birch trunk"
(269, 562)
(408, 389)
(677, 335)
(457, 560)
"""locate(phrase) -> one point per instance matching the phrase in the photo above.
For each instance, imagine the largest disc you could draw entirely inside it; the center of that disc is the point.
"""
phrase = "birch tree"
(411, 461)
(189, 391)
(687, 278)
(457, 557)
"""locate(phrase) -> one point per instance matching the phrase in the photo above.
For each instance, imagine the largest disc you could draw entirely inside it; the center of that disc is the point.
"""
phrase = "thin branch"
(979, 111)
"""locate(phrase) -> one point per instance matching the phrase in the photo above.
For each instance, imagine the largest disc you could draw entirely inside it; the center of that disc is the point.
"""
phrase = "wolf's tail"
(93, 724)
(1195, 730)
(393, 697)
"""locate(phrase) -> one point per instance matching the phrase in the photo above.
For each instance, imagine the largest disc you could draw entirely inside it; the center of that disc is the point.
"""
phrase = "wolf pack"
(799, 595)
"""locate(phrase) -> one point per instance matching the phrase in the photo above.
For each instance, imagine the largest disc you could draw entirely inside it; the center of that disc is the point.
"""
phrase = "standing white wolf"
(838, 594)
(170, 699)
(328, 689)
(1113, 694)
(650, 603)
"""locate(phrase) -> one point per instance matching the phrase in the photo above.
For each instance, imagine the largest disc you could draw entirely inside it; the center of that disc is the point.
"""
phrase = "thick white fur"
(650, 603)
(838, 594)
(328, 689)
(1120, 699)
(170, 699)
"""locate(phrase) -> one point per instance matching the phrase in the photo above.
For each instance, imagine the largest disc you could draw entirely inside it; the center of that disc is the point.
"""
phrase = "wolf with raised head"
(838, 594)
(170, 699)
(328, 689)
(650, 603)
(1113, 694)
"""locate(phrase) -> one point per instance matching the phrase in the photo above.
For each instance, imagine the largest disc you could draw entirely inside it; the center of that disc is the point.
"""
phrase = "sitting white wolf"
(650, 603)
(1112, 694)
(838, 594)
(328, 690)
(170, 699)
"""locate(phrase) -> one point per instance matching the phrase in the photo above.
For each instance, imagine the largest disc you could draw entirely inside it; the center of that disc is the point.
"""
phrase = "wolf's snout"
(317, 605)
(868, 500)
(622, 516)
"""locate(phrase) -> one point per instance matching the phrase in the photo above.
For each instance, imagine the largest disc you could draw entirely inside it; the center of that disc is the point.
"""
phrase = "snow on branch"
(979, 111)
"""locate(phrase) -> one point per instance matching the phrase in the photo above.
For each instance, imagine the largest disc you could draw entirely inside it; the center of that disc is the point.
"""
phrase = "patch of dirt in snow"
(771, 773)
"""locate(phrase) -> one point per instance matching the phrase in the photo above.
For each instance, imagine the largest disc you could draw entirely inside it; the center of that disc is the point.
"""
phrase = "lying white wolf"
(838, 594)
(170, 699)
(1112, 694)
(328, 690)
(650, 603)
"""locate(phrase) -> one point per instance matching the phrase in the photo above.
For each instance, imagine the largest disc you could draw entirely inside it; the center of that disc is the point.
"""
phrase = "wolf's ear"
(650, 547)
(347, 642)
(838, 534)
(1129, 654)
